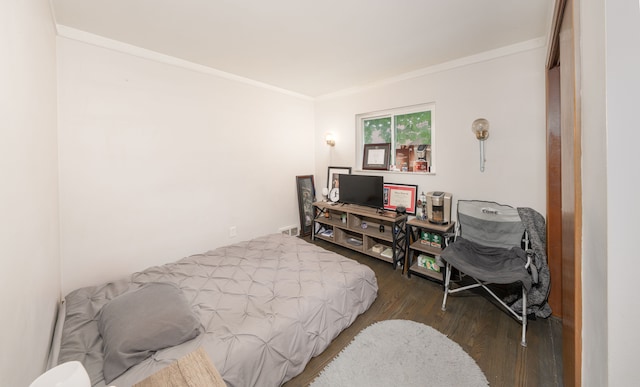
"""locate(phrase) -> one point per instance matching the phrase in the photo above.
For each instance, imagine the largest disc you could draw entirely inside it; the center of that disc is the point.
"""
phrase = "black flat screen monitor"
(362, 190)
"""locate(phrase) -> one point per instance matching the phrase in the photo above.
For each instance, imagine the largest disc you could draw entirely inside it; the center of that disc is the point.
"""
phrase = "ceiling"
(311, 47)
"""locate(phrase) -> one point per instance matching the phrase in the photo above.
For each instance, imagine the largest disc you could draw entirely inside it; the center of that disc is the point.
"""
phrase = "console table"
(380, 234)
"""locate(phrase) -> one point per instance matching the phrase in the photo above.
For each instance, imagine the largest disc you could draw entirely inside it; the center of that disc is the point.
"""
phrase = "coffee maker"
(439, 207)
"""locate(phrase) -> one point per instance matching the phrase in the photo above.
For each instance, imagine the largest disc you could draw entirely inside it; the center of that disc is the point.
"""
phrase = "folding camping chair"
(488, 247)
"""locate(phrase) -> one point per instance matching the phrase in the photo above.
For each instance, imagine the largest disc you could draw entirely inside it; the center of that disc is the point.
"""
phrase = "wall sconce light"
(330, 139)
(480, 128)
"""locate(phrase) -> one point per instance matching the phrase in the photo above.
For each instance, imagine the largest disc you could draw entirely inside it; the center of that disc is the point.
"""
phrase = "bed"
(263, 309)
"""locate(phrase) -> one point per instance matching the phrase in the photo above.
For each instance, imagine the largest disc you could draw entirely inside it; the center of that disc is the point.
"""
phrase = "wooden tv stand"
(380, 234)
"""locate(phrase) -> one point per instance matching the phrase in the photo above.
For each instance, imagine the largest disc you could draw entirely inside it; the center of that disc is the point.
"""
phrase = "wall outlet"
(232, 231)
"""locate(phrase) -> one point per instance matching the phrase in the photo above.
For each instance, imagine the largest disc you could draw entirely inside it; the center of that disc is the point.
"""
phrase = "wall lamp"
(330, 139)
(480, 128)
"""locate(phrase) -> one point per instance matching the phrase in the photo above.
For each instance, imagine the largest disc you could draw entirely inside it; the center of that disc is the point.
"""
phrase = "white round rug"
(401, 353)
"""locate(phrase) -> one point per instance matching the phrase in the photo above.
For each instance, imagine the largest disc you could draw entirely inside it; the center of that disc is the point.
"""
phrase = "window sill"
(395, 172)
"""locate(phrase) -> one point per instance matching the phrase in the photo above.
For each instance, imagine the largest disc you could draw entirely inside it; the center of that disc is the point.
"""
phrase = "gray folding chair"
(488, 247)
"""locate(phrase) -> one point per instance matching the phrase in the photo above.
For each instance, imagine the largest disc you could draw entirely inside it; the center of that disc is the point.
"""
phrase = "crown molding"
(100, 41)
(457, 63)
(110, 44)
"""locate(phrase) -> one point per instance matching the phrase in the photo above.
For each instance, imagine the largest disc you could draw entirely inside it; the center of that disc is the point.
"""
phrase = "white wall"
(623, 208)
(29, 278)
(158, 161)
(507, 90)
(594, 195)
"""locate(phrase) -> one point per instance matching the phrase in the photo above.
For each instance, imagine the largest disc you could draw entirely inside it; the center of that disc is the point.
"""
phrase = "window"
(409, 130)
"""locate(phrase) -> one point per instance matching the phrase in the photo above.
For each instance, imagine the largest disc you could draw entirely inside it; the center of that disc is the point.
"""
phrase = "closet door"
(564, 185)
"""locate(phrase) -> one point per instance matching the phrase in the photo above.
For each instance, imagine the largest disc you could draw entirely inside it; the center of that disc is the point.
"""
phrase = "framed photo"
(332, 175)
(306, 197)
(376, 156)
(396, 195)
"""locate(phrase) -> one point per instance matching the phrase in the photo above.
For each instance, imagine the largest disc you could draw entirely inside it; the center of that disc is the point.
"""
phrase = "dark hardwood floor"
(487, 333)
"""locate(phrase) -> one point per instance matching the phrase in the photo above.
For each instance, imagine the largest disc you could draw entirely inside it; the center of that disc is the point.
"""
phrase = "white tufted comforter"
(267, 306)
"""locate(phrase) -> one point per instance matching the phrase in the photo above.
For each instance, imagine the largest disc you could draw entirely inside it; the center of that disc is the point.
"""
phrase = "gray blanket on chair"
(539, 293)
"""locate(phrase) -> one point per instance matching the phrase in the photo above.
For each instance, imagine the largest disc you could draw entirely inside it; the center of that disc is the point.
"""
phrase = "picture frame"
(396, 195)
(376, 156)
(306, 196)
(332, 175)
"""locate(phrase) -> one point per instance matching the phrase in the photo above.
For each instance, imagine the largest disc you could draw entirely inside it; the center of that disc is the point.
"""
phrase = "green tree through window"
(377, 131)
(409, 130)
(413, 129)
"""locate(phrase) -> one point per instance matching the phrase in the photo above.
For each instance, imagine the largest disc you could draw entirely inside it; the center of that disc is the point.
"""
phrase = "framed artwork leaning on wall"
(306, 197)
(333, 174)
(396, 195)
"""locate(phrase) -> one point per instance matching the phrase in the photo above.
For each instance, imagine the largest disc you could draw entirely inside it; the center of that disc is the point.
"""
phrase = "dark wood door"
(564, 186)
(554, 190)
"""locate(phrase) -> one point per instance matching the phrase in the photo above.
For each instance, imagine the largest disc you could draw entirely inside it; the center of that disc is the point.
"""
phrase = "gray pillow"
(142, 321)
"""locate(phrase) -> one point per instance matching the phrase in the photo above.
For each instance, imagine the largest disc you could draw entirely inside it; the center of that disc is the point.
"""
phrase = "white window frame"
(360, 118)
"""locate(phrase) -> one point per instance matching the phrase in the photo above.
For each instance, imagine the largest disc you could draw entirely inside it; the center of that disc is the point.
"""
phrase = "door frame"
(564, 190)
